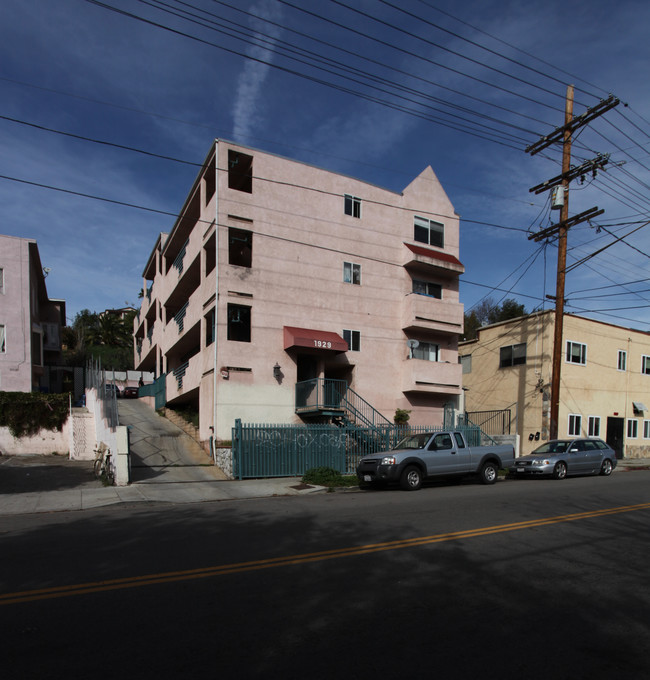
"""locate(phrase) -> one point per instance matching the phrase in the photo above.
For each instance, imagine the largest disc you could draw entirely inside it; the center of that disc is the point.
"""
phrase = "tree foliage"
(488, 312)
(107, 337)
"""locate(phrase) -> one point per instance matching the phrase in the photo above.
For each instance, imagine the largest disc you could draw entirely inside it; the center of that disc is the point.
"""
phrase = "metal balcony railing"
(335, 397)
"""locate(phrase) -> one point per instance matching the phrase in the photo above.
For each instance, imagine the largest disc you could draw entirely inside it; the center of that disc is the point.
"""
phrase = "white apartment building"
(283, 288)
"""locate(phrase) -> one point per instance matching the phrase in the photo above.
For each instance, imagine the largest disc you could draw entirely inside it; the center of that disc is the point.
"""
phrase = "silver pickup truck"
(434, 454)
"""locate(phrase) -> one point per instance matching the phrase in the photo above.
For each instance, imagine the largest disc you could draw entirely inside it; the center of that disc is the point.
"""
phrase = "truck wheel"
(559, 471)
(411, 479)
(489, 473)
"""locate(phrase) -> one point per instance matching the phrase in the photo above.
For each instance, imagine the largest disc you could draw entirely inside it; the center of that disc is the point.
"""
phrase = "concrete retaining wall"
(45, 442)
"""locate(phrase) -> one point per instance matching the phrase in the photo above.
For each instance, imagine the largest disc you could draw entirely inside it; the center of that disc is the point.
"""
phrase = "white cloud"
(247, 113)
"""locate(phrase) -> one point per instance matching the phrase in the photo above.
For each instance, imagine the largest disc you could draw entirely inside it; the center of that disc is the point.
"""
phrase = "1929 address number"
(323, 344)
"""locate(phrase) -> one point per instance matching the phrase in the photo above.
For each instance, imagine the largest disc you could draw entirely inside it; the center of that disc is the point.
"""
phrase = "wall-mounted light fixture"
(277, 370)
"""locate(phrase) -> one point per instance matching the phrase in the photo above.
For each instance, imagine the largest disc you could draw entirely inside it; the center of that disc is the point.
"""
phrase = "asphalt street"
(526, 578)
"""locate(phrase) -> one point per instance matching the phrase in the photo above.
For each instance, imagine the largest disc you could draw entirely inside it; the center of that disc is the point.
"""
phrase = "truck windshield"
(414, 441)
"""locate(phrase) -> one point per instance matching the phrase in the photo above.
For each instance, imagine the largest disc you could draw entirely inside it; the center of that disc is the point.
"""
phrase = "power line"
(473, 42)
(100, 141)
(314, 79)
(438, 45)
(414, 54)
(518, 49)
(357, 55)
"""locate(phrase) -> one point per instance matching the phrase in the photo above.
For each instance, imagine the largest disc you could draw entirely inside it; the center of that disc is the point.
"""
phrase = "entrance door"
(615, 428)
(307, 367)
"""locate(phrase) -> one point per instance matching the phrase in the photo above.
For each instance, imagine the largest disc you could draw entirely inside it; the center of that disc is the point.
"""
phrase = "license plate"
(367, 478)
(520, 469)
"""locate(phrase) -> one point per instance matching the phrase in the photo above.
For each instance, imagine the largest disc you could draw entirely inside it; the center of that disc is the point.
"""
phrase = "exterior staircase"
(195, 444)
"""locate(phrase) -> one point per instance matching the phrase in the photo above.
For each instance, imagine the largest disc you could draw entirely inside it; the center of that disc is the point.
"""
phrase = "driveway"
(161, 453)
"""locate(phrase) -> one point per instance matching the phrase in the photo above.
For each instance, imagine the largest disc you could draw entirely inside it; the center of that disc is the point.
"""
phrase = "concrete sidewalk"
(36, 484)
(86, 498)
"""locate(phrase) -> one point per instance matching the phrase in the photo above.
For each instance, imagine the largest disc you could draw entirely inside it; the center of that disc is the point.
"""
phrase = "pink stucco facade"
(30, 323)
(304, 274)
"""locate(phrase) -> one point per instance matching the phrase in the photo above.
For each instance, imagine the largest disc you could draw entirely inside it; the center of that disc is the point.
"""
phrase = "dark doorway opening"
(615, 428)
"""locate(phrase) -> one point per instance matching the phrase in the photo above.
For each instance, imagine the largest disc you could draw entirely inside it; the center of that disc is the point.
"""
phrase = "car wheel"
(559, 471)
(489, 473)
(411, 479)
(606, 468)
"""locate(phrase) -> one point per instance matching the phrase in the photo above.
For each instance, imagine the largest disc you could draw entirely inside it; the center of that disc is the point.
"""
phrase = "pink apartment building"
(30, 323)
(280, 281)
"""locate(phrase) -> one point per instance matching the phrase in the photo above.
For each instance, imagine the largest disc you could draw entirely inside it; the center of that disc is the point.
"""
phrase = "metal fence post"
(237, 445)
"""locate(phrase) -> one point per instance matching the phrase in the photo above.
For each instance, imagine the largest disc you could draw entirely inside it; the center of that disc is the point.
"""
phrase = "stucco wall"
(597, 389)
(15, 314)
(45, 442)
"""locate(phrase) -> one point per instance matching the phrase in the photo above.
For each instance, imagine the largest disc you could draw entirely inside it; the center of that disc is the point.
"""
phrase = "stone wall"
(224, 461)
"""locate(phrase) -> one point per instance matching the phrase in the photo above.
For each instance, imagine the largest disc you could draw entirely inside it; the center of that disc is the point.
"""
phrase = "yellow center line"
(306, 558)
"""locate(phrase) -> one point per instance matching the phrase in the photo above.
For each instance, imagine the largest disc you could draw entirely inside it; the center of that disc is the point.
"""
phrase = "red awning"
(313, 339)
(436, 255)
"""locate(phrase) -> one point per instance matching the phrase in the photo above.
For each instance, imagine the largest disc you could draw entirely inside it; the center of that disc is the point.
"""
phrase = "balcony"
(431, 377)
(422, 312)
(427, 260)
(184, 378)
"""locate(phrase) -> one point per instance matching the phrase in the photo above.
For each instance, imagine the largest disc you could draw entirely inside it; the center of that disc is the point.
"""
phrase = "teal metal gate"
(291, 450)
(157, 389)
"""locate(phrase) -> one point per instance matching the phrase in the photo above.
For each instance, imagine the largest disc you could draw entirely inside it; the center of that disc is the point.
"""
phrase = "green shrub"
(326, 476)
(401, 416)
(26, 413)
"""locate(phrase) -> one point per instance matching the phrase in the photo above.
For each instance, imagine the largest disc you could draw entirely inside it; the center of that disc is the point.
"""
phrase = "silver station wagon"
(562, 457)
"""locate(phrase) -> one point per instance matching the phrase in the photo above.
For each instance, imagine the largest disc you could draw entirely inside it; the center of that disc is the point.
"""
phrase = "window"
(210, 179)
(429, 232)
(352, 273)
(3, 342)
(209, 328)
(646, 429)
(427, 288)
(240, 171)
(575, 425)
(240, 247)
(622, 360)
(427, 351)
(209, 251)
(37, 348)
(594, 426)
(645, 364)
(441, 441)
(512, 355)
(576, 353)
(2, 280)
(353, 338)
(239, 323)
(632, 428)
(352, 206)
(466, 363)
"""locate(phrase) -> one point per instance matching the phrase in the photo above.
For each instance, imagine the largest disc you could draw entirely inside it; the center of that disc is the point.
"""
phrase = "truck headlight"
(388, 460)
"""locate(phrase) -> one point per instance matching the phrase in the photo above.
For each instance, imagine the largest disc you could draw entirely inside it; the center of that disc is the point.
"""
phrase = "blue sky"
(463, 87)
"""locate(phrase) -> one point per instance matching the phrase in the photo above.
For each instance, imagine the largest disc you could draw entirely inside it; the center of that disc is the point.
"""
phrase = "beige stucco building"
(30, 323)
(281, 279)
(604, 387)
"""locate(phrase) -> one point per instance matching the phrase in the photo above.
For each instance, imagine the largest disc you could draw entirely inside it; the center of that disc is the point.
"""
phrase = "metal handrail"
(331, 394)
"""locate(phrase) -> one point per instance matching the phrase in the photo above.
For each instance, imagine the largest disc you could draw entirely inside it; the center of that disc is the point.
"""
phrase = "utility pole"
(561, 266)
(563, 134)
